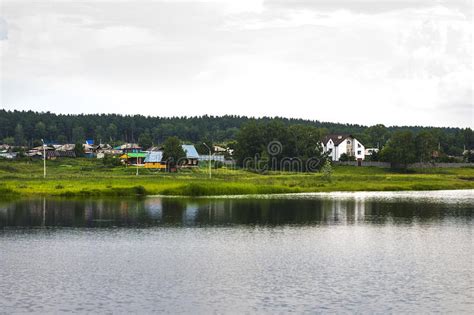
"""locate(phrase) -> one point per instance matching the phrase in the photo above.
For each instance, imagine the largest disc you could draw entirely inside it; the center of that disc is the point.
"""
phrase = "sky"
(396, 62)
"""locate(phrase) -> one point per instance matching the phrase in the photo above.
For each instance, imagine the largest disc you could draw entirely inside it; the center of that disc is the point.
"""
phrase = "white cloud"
(119, 36)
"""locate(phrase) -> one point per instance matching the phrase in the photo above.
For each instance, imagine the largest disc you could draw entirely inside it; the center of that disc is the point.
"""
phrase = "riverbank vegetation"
(74, 177)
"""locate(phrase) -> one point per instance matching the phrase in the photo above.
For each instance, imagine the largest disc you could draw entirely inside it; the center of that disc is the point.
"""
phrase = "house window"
(358, 153)
(348, 142)
(358, 145)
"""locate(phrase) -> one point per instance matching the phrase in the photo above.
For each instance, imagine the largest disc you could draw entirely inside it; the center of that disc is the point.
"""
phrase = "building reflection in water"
(145, 212)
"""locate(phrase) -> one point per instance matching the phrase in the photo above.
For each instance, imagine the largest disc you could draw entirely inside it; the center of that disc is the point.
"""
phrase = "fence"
(431, 165)
(413, 165)
(364, 163)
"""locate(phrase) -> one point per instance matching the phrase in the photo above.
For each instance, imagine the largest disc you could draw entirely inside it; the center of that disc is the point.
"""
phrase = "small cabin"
(134, 158)
(192, 156)
(129, 148)
(154, 159)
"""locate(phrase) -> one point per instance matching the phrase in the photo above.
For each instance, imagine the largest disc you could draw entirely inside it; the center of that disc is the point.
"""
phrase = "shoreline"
(82, 177)
(194, 190)
(328, 195)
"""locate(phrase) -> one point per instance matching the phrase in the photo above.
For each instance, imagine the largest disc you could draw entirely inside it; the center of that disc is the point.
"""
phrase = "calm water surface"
(341, 252)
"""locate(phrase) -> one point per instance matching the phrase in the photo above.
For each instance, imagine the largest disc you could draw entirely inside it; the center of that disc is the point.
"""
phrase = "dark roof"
(337, 139)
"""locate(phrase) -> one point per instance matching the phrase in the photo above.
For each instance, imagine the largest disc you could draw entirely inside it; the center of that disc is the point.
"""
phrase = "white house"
(370, 151)
(339, 144)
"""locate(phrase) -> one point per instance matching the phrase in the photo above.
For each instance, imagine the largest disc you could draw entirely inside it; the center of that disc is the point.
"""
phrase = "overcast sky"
(397, 62)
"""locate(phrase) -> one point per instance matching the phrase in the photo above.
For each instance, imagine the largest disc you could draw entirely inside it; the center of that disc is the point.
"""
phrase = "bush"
(139, 190)
(327, 171)
(218, 164)
(79, 150)
(469, 157)
(110, 161)
(345, 158)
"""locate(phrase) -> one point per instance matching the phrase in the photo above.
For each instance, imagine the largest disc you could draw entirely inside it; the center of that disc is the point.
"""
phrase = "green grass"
(88, 177)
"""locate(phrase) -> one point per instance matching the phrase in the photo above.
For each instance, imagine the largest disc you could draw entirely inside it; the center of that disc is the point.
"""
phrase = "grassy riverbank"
(71, 177)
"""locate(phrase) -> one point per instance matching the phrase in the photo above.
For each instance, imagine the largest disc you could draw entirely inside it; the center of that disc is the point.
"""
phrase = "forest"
(28, 127)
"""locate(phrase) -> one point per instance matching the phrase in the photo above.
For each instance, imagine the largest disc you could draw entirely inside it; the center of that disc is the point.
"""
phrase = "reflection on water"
(299, 210)
(314, 253)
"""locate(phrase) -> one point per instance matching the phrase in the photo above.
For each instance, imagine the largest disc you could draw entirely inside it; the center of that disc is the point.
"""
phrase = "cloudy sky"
(406, 62)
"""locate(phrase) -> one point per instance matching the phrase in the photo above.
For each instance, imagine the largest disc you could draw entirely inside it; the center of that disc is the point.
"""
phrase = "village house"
(5, 147)
(6, 152)
(219, 150)
(134, 158)
(37, 152)
(103, 150)
(154, 159)
(66, 150)
(8, 155)
(337, 145)
(192, 156)
(129, 148)
(89, 148)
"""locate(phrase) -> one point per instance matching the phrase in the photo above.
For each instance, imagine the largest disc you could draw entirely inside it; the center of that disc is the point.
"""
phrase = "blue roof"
(90, 142)
(154, 157)
(190, 151)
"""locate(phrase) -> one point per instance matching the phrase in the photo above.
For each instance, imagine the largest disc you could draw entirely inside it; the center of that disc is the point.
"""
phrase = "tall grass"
(89, 177)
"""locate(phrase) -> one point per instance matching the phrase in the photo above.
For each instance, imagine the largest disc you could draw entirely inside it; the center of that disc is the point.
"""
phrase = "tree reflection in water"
(157, 211)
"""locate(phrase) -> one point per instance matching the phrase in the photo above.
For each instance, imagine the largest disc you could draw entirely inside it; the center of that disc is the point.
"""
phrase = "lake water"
(340, 252)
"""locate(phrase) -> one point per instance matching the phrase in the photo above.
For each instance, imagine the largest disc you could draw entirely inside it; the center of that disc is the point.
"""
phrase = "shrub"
(110, 161)
(139, 190)
(345, 158)
(327, 171)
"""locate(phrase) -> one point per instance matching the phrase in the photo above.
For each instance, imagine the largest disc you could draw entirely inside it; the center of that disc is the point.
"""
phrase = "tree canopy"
(172, 151)
(276, 146)
(400, 149)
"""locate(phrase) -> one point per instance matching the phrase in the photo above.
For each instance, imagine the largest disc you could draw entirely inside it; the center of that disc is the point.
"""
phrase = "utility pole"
(210, 152)
(44, 159)
(137, 166)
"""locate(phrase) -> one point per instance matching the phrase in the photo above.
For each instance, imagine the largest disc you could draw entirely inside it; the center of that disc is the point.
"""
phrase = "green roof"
(136, 154)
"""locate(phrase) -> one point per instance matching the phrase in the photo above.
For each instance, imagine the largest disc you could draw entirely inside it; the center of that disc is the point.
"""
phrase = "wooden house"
(134, 158)
(192, 156)
(129, 148)
(154, 160)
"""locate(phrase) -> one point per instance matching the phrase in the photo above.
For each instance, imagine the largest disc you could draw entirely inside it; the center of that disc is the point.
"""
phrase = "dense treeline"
(275, 146)
(28, 127)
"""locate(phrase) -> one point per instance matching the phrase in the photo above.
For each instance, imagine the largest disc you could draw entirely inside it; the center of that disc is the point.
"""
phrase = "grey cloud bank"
(395, 62)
